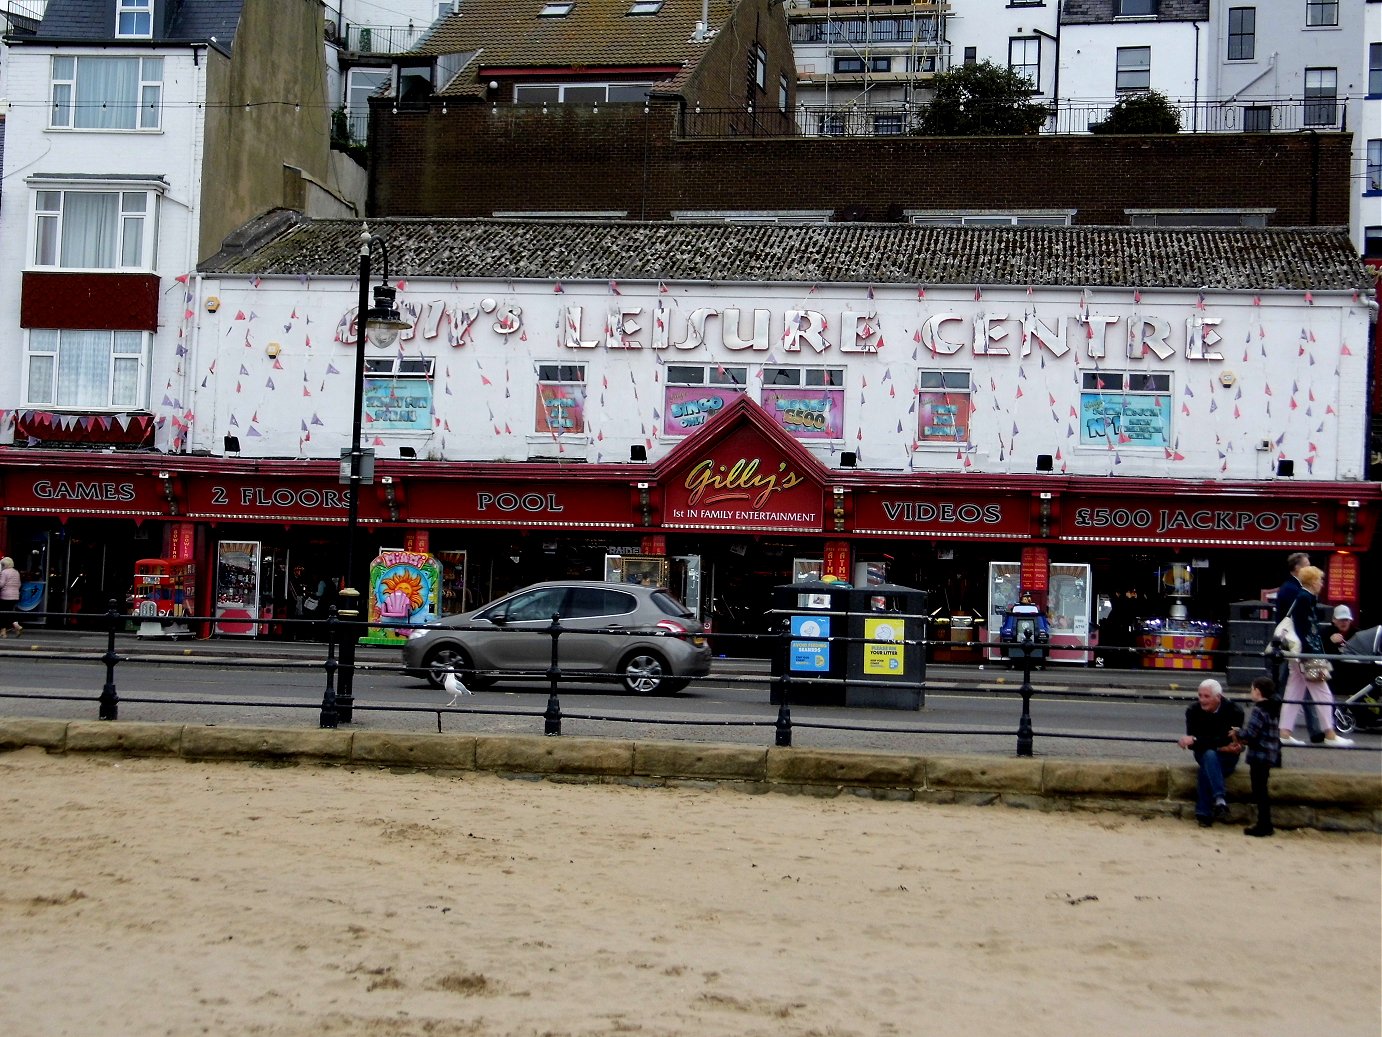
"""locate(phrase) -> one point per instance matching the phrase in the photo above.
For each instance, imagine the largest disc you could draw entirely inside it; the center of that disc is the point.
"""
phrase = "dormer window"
(556, 10)
(134, 19)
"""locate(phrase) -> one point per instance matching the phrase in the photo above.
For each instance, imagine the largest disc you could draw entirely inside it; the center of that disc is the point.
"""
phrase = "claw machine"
(1069, 606)
(237, 588)
(1005, 581)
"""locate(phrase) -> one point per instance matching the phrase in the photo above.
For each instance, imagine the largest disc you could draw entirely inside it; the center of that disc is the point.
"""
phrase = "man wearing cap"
(1347, 678)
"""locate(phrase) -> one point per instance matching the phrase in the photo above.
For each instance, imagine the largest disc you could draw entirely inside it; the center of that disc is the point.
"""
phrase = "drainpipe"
(1195, 99)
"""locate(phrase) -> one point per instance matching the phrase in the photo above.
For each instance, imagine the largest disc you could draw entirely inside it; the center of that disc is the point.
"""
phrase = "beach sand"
(157, 896)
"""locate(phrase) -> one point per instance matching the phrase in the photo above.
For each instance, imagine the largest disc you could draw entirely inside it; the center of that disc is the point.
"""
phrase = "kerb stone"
(265, 743)
(537, 754)
(675, 760)
(404, 749)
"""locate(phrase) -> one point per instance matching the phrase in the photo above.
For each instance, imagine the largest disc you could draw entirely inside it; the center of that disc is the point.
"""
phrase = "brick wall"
(473, 162)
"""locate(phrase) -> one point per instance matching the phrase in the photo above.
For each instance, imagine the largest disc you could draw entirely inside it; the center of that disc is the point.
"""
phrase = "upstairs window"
(808, 403)
(103, 93)
(1242, 33)
(646, 7)
(555, 10)
(696, 393)
(1374, 176)
(760, 68)
(1024, 58)
(1322, 12)
(560, 399)
(1375, 69)
(1321, 96)
(93, 230)
(1123, 408)
(86, 370)
(1135, 8)
(134, 19)
(1134, 68)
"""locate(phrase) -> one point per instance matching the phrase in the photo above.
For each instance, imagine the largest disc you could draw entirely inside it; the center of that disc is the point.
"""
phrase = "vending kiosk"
(163, 595)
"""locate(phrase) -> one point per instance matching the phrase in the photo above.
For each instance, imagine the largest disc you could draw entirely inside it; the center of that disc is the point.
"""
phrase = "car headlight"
(418, 632)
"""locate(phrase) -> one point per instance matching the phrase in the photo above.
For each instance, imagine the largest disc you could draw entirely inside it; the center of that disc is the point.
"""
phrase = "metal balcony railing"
(381, 39)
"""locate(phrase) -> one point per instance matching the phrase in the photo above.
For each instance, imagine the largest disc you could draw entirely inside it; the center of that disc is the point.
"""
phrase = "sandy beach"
(157, 896)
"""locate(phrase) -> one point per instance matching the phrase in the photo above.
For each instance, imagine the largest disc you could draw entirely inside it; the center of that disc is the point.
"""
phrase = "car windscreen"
(670, 605)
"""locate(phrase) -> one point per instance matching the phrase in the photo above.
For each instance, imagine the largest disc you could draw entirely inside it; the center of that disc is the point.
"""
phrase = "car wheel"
(445, 659)
(643, 673)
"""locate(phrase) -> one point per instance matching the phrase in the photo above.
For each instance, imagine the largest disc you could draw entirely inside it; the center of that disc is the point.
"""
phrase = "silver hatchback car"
(641, 637)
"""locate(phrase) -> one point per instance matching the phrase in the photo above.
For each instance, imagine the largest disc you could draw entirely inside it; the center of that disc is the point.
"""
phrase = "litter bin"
(1250, 625)
(810, 651)
(887, 638)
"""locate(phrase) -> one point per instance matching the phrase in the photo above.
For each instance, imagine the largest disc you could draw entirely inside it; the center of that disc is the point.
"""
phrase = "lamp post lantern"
(382, 321)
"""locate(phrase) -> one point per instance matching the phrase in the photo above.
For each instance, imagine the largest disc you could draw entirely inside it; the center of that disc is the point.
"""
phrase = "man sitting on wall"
(1211, 733)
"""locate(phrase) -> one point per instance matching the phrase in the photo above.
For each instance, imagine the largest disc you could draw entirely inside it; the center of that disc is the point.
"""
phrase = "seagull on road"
(455, 686)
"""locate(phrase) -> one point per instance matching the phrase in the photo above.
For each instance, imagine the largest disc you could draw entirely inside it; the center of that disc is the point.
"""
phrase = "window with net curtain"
(91, 230)
(89, 370)
(106, 93)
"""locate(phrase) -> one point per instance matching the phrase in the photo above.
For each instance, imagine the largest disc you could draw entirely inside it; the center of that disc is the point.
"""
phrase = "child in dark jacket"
(1263, 739)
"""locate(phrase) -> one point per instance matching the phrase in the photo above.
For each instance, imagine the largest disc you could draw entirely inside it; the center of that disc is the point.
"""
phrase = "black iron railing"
(786, 688)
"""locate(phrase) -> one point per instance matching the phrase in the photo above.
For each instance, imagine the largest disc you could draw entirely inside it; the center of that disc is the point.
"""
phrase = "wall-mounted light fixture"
(169, 492)
(848, 459)
(1045, 463)
(645, 503)
(232, 446)
(1351, 521)
(837, 508)
(638, 452)
(1044, 508)
(390, 496)
(407, 453)
(1285, 467)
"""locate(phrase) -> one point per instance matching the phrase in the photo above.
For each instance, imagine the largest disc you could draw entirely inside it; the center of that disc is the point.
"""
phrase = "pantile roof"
(1247, 259)
(597, 34)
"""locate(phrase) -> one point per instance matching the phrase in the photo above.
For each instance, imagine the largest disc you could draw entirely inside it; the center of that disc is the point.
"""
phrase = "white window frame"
(47, 249)
(1321, 107)
(70, 111)
(983, 218)
(43, 348)
(956, 384)
(802, 217)
(1321, 14)
(643, 8)
(1131, 73)
(1246, 35)
(1134, 385)
(399, 365)
(556, 9)
(1140, 9)
(1373, 183)
(1028, 49)
(570, 377)
(134, 19)
(361, 85)
(529, 88)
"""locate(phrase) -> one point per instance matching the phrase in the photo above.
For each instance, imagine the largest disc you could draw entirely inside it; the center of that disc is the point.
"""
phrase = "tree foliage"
(982, 100)
(1148, 112)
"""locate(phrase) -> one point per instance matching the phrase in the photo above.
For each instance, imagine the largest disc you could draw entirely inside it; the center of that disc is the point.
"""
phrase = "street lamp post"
(383, 320)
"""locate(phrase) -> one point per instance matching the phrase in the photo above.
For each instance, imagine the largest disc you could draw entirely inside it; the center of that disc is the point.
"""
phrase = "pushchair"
(1362, 711)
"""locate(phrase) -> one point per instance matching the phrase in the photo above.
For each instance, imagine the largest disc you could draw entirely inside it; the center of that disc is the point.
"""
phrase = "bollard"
(783, 727)
(329, 716)
(1024, 725)
(110, 701)
(551, 718)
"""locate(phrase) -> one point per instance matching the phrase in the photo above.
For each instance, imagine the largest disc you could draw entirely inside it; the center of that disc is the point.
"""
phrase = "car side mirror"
(499, 618)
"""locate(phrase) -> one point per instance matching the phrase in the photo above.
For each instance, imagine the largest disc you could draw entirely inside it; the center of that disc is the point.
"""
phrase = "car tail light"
(671, 625)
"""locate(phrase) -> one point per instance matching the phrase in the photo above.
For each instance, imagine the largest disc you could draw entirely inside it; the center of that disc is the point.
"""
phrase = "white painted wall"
(1089, 59)
(174, 152)
(1297, 370)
